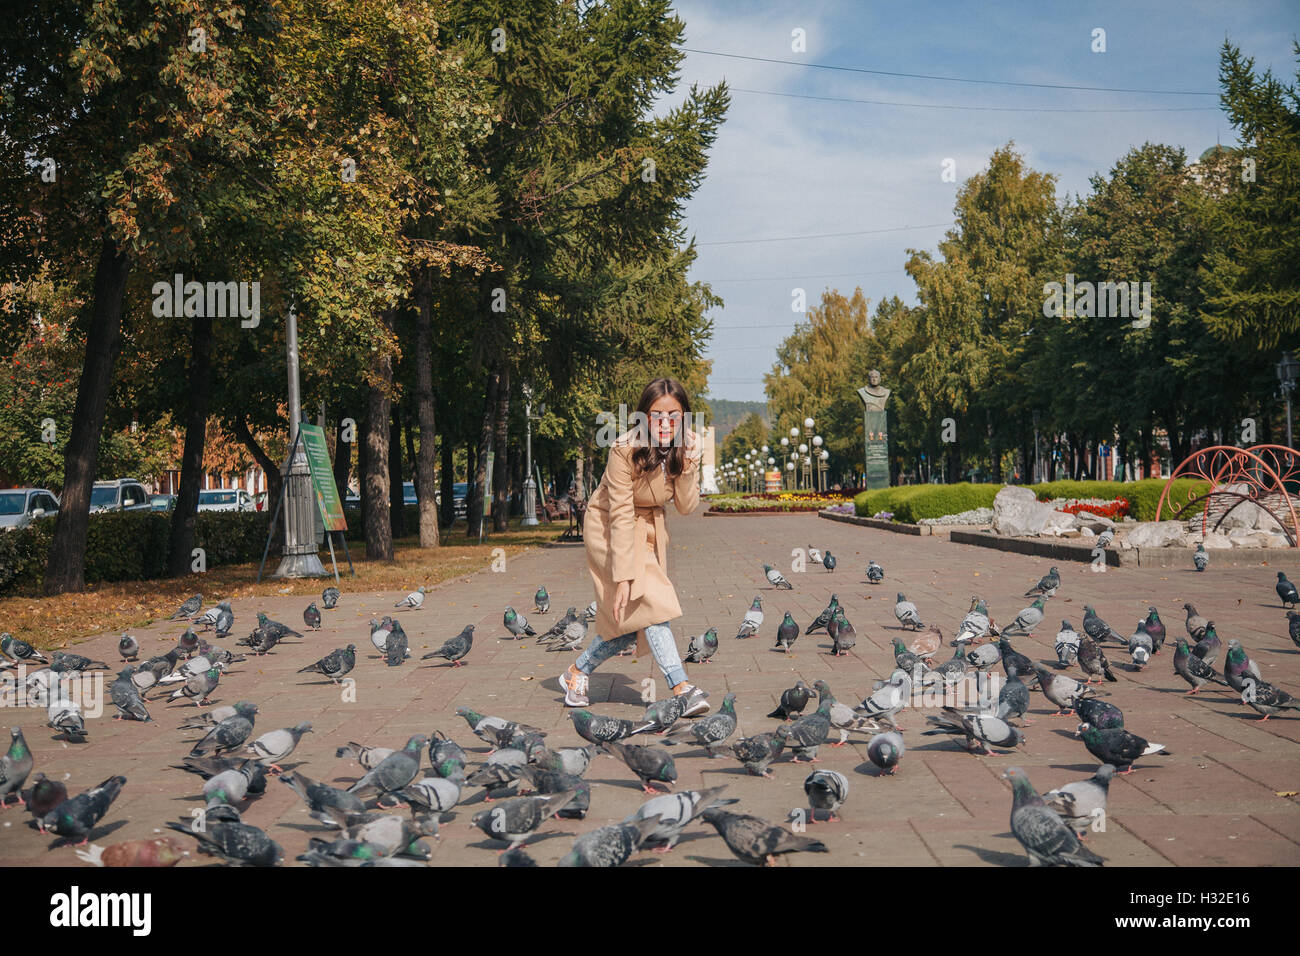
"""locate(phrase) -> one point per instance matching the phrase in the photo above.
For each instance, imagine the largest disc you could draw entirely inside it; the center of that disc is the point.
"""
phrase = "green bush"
(911, 503)
(133, 546)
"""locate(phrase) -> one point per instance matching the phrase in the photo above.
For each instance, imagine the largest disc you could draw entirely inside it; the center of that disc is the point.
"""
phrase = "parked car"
(121, 494)
(459, 498)
(353, 502)
(19, 507)
(162, 503)
(225, 499)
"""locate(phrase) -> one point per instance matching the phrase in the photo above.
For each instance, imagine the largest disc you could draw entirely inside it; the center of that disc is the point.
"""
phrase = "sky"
(793, 159)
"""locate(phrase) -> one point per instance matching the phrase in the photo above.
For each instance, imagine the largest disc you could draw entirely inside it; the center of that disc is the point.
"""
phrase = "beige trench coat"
(627, 540)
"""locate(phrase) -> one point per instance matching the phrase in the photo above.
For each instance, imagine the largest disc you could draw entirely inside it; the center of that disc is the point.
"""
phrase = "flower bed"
(1116, 510)
(786, 501)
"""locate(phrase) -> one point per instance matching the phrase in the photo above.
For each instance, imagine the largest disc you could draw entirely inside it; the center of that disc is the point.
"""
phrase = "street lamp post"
(300, 559)
(1288, 370)
(530, 486)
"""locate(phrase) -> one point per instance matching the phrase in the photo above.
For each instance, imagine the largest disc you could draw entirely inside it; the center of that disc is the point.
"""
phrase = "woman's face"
(665, 420)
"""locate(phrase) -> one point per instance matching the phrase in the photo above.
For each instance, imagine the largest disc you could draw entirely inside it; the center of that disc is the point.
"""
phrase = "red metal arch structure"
(1264, 469)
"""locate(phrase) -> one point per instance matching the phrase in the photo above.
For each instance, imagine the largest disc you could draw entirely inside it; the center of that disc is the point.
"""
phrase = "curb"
(756, 514)
(898, 527)
(1179, 557)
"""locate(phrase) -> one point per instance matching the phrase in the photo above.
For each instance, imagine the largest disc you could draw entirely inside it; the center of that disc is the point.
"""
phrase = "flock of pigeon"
(526, 780)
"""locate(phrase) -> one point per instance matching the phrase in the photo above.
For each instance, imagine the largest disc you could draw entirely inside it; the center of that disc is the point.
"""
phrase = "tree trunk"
(185, 517)
(448, 510)
(342, 459)
(363, 459)
(378, 514)
(274, 484)
(396, 493)
(486, 434)
(66, 569)
(501, 466)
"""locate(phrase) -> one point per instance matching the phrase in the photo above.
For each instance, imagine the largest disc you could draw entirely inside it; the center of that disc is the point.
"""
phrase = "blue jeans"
(662, 645)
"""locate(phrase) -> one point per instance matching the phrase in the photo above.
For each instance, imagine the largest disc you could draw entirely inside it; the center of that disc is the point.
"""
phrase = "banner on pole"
(322, 477)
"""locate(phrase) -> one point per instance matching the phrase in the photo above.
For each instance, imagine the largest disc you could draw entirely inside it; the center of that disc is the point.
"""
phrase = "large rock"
(1156, 534)
(1215, 540)
(1094, 523)
(1250, 538)
(1017, 512)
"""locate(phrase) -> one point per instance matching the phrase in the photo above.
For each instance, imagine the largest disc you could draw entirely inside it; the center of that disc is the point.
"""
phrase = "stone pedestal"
(876, 428)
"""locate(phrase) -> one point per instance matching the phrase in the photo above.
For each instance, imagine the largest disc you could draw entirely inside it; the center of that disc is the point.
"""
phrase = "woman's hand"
(621, 594)
(694, 449)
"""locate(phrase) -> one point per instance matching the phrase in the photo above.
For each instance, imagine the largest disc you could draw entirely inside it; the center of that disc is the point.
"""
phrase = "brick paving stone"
(1214, 800)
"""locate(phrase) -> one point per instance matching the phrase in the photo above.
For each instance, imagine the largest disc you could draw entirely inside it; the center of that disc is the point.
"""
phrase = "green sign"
(322, 477)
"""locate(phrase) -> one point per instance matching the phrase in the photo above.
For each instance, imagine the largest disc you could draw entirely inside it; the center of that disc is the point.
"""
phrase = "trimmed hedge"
(132, 546)
(911, 503)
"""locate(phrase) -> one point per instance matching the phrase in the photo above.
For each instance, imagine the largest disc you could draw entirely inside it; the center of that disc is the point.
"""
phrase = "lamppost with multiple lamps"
(1288, 370)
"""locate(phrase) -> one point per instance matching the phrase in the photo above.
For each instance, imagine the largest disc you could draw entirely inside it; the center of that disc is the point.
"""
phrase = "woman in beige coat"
(656, 461)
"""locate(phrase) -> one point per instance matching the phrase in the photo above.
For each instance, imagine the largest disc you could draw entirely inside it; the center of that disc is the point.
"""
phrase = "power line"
(825, 275)
(990, 109)
(825, 235)
(948, 79)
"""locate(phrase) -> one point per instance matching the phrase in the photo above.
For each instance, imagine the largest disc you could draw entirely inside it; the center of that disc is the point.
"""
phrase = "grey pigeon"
(1098, 713)
(1105, 538)
(128, 647)
(517, 624)
(886, 750)
(1067, 645)
(664, 713)
(701, 649)
(379, 631)
(975, 625)
(1286, 590)
(439, 794)
(607, 846)
(335, 665)
(414, 600)
(19, 651)
(753, 619)
(574, 760)
(823, 619)
(986, 729)
(1208, 647)
(65, 716)
(828, 561)
(188, 609)
(74, 818)
(1061, 690)
(808, 733)
(228, 786)
(1117, 746)
(1046, 839)
(1098, 629)
(755, 840)
(776, 578)
(758, 752)
(889, 699)
(455, 648)
(327, 804)
(786, 633)
(15, 765)
(1201, 560)
(1013, 698)
(126, 698)
(396, 770)
(1195, 623)
(984, 656)
(368, 757)
(240, 844)
(1082, 804)
(1140, 646)
(1047, 585)
(396, 648)
(907, 614)
(513, 821)
(230, 734)
(541, 780)
(496, 731)
(62, 663)
(875, 573)
(600, 729)
(1026, 621)
(673, 812)
(569, 638)
(714, 729)
(1239, 668)
(277, 745)
(1293, 627)
(542, 601)
(826, 790)
(651, 764)
(1266, 699)
(329, 598)
(225, 619)
(843, 635)
(793, 701)
(311, 616)
(1092, 660)
(558, 627)
(1192, 669)
(199, 686)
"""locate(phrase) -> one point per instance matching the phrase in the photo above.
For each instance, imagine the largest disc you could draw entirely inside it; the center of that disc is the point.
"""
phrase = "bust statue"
(874, 395)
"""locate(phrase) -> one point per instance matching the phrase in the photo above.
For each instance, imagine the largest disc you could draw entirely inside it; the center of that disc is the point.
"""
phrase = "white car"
(19, 507)
(226, 499)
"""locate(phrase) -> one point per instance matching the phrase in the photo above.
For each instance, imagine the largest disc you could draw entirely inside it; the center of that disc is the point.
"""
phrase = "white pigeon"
(814, 555)
(379, 636)
(776, 578)
(1105, 538)
(975, 624)
(414, 600)
(753, 619)
(906, 613)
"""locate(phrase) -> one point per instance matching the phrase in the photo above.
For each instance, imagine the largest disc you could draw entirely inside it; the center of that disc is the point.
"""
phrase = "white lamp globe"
(808, 423)
(789, 466)
(785, 442)
(825, 454)
(794, 432)
(803, 449)
(817, 440)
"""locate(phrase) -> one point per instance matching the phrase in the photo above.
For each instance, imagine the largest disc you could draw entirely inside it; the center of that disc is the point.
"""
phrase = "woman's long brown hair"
(645, 457)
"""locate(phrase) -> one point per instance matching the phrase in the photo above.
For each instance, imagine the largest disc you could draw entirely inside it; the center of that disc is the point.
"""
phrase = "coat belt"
(655, 515)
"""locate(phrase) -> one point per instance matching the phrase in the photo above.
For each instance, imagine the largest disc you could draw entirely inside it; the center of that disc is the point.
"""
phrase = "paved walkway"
(1221, 798)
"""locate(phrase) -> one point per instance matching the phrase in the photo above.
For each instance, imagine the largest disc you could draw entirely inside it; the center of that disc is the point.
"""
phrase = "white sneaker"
(693, 700)
(574, 683)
